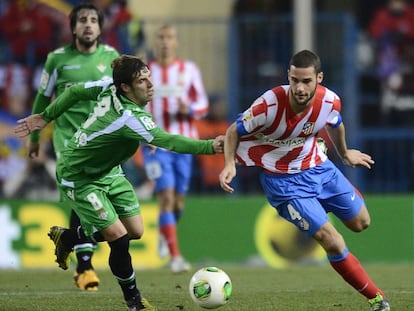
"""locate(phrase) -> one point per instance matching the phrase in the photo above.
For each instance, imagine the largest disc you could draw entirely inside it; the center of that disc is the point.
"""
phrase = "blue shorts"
(168, 169)
(305, 198)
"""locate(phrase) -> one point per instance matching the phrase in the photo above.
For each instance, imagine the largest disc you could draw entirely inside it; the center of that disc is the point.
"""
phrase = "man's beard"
(305, 103)
(86, 44)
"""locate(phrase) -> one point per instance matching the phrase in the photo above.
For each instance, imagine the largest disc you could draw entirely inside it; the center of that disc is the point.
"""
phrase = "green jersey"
(111, 134)
(64, 67)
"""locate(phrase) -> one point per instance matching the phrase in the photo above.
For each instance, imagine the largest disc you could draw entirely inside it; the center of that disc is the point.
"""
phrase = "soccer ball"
(210, 287)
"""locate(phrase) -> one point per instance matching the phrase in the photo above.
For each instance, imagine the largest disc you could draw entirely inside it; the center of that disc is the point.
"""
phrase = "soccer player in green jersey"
(83, 60)
(106, 203)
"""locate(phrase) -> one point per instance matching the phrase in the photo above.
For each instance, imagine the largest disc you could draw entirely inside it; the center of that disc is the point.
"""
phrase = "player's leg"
(182, 165)
(127, 207)
(309, 216)
(94, 201)
(159, 168)
(348, 206)
(85, 276)
(182, 172)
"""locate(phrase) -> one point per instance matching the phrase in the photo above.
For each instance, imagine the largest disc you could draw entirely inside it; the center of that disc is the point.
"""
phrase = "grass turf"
(297, 288)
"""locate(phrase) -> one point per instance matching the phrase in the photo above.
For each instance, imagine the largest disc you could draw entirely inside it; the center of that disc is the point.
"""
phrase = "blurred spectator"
(213, 125)
(392, 28)
(15, 182)
(122, 30)
(31, 29)
(14, 88)
(12, 159)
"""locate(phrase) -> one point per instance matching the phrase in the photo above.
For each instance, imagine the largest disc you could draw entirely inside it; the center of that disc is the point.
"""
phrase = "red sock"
(169, 233)
(352, 271)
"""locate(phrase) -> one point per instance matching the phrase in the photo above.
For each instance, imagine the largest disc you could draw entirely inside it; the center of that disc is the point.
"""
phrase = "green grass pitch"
(307, 288)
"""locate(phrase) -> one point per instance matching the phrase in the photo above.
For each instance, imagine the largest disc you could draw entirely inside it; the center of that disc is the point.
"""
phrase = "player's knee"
(330, 239)
(360, 225)
(136, 233)
(360, 222)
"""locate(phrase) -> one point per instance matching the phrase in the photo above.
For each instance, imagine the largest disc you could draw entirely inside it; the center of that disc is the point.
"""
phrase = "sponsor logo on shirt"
(294, 142)
(70, 67)
(168, 91)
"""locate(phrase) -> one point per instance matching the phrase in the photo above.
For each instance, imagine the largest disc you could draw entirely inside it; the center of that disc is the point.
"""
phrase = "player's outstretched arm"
(27, 125)
(231, 143)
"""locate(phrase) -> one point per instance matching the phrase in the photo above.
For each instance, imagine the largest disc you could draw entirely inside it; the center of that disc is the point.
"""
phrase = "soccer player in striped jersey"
(179, 99)
(278, 133)
(83, 60)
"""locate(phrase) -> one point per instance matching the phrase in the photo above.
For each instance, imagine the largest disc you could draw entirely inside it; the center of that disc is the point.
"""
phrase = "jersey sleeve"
(334, 118)
(197, 94)
(182, 144)
(253, 119)
(73, 95)
(142, 127)
(43, 99)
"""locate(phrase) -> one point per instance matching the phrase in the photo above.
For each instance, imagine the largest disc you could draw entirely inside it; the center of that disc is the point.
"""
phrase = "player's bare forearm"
(350, 157)
(230, 146)
(337, 137)
(27, 125)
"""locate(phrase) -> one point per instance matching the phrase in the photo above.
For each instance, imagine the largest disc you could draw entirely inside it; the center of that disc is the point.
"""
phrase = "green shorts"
(99, 203)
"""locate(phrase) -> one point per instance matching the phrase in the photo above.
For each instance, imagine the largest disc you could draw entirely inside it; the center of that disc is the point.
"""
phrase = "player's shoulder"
(278, 93)
(327, 94)
(60, 51)
(106, 48)
(190, 63)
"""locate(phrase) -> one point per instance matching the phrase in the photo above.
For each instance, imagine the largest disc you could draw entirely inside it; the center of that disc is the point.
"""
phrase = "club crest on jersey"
(308, 127)
(101, 67)
(148, 123)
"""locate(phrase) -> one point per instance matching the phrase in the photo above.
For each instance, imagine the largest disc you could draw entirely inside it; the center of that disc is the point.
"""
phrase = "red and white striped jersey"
(181, 79)
(280, 141)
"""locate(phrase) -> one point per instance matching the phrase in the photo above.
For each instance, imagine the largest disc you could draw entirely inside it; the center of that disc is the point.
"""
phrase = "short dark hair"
(126, 68)
(304, 59)
(73, 16)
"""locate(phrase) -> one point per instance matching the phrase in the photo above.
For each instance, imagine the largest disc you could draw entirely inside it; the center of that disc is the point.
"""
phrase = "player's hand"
(218, 144)
(33, 150)
(27, 125)
(226, 176)
(152, 148)
(354, 158)
(183, 107)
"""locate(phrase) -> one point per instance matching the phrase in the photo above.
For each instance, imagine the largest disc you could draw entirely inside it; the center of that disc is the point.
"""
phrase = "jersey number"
(100, 109)
(294, 214)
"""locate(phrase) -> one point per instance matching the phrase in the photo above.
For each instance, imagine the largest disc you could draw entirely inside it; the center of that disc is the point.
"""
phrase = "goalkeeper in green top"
(106, 203)
(83, 60)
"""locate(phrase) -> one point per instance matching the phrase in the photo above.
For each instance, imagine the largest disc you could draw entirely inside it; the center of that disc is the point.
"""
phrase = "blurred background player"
(83, 60)
(179, 99)
(392, 30)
